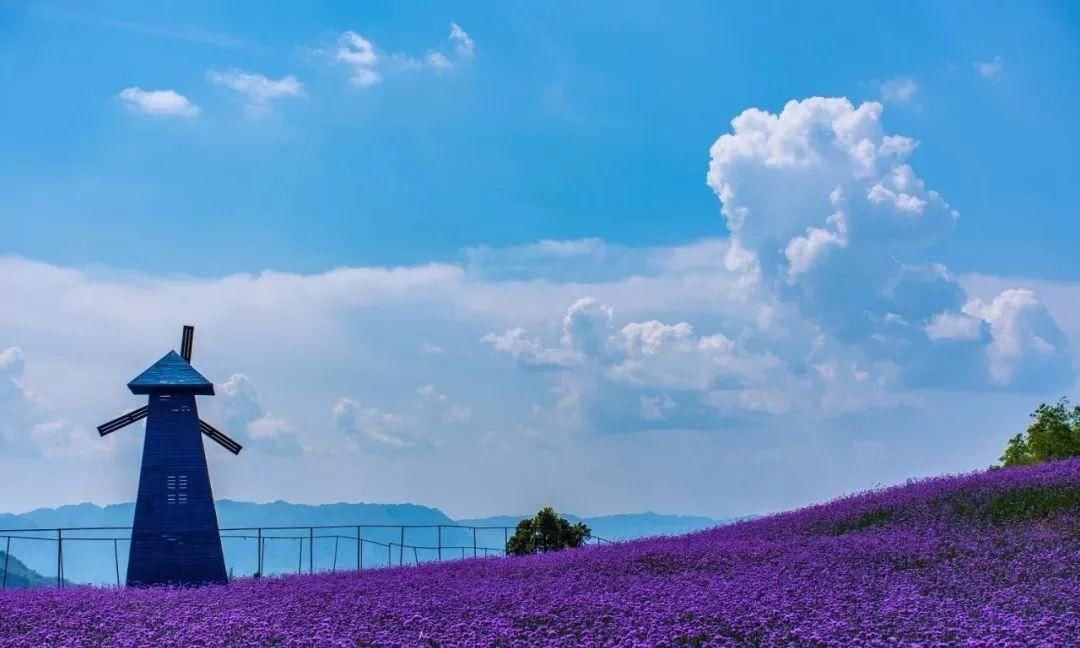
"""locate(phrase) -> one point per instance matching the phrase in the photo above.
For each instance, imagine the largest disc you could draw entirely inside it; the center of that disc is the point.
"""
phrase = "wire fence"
(98, 555)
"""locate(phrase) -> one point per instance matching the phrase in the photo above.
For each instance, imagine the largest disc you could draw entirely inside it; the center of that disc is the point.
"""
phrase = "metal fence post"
(359, 551)
(60, 558)
(259, 554)
(300, 557)
(389, 554)
(506, 539)
(7, 556)
(474, 542)
(440, 543)
(311, 550)
(116, 561)
(401, 548)
(333, 568)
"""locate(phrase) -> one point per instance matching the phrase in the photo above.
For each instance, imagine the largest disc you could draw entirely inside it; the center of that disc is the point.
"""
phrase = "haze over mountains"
(280, 513)
(94, 561)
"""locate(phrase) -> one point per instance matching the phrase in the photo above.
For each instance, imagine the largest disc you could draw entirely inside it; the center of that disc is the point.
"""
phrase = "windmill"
(175, 538)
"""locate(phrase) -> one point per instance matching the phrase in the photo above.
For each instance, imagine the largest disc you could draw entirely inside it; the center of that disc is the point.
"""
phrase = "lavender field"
(989, 559)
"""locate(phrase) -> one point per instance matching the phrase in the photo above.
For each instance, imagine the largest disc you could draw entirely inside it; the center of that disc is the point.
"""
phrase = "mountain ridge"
(233, 513)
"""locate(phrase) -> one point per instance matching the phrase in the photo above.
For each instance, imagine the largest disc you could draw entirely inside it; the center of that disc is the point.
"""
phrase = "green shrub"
(544, 532)
(1055, 434)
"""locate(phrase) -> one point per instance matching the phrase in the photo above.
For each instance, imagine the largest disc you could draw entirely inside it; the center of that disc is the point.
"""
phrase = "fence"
(354, 547)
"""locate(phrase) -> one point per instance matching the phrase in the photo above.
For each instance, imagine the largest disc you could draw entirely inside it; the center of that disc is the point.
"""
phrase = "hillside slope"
(15, 575)
(985, 559)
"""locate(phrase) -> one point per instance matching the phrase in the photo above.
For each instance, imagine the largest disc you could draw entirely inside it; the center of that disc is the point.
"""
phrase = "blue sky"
(429, 244)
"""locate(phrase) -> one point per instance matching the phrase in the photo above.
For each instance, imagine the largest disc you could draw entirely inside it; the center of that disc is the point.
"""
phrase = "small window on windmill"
(176, 489)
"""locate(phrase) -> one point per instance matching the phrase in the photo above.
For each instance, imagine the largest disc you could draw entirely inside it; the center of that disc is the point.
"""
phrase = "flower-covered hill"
(990, 559)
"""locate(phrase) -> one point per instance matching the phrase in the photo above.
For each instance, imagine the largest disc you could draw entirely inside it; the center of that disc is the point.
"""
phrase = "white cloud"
(585, 327)
(368, 67)
(372, 424)
(359, 53)
(438, 60)
(989, 69)
(529, 352)
(258, 90)
(955, 326)
(464, 45)
(899, 90)
(418, 425)
(656, 355)
(642, 362)
(29, 426)
(161, 103)
(354, 49)
(16, 403)
(825, 184)
(1025, 339)
(252, 426)
(12, 364)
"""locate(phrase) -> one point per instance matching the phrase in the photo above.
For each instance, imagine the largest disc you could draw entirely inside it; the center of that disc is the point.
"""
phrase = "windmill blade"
(121, 421)
(187, 340)
(220, 437)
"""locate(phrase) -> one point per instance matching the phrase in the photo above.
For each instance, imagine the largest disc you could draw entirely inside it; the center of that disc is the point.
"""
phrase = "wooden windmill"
(174, 539)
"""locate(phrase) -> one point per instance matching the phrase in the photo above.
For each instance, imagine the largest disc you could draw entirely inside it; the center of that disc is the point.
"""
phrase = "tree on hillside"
(1054, 434)
(544, 532)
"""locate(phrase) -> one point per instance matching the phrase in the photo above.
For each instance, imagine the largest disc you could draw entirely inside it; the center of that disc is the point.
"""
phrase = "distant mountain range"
(94, 557)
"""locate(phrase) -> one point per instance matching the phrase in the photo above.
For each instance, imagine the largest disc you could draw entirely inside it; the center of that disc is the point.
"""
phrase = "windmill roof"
(171, 374)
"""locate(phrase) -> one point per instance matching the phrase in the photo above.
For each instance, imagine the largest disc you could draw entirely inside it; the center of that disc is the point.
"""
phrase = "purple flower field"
(990, 559)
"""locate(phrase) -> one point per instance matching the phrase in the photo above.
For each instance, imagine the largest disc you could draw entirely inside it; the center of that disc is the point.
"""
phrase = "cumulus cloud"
(832, 218)
(258, 91)
(1026, 345)
(648, 369)
(529, 351)
(585, 327)
(956, 326)
(251, 425)
(159, 103)
(829, 220)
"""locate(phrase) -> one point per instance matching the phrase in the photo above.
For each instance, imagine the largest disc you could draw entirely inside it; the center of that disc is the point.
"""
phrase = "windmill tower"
(175, 537)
